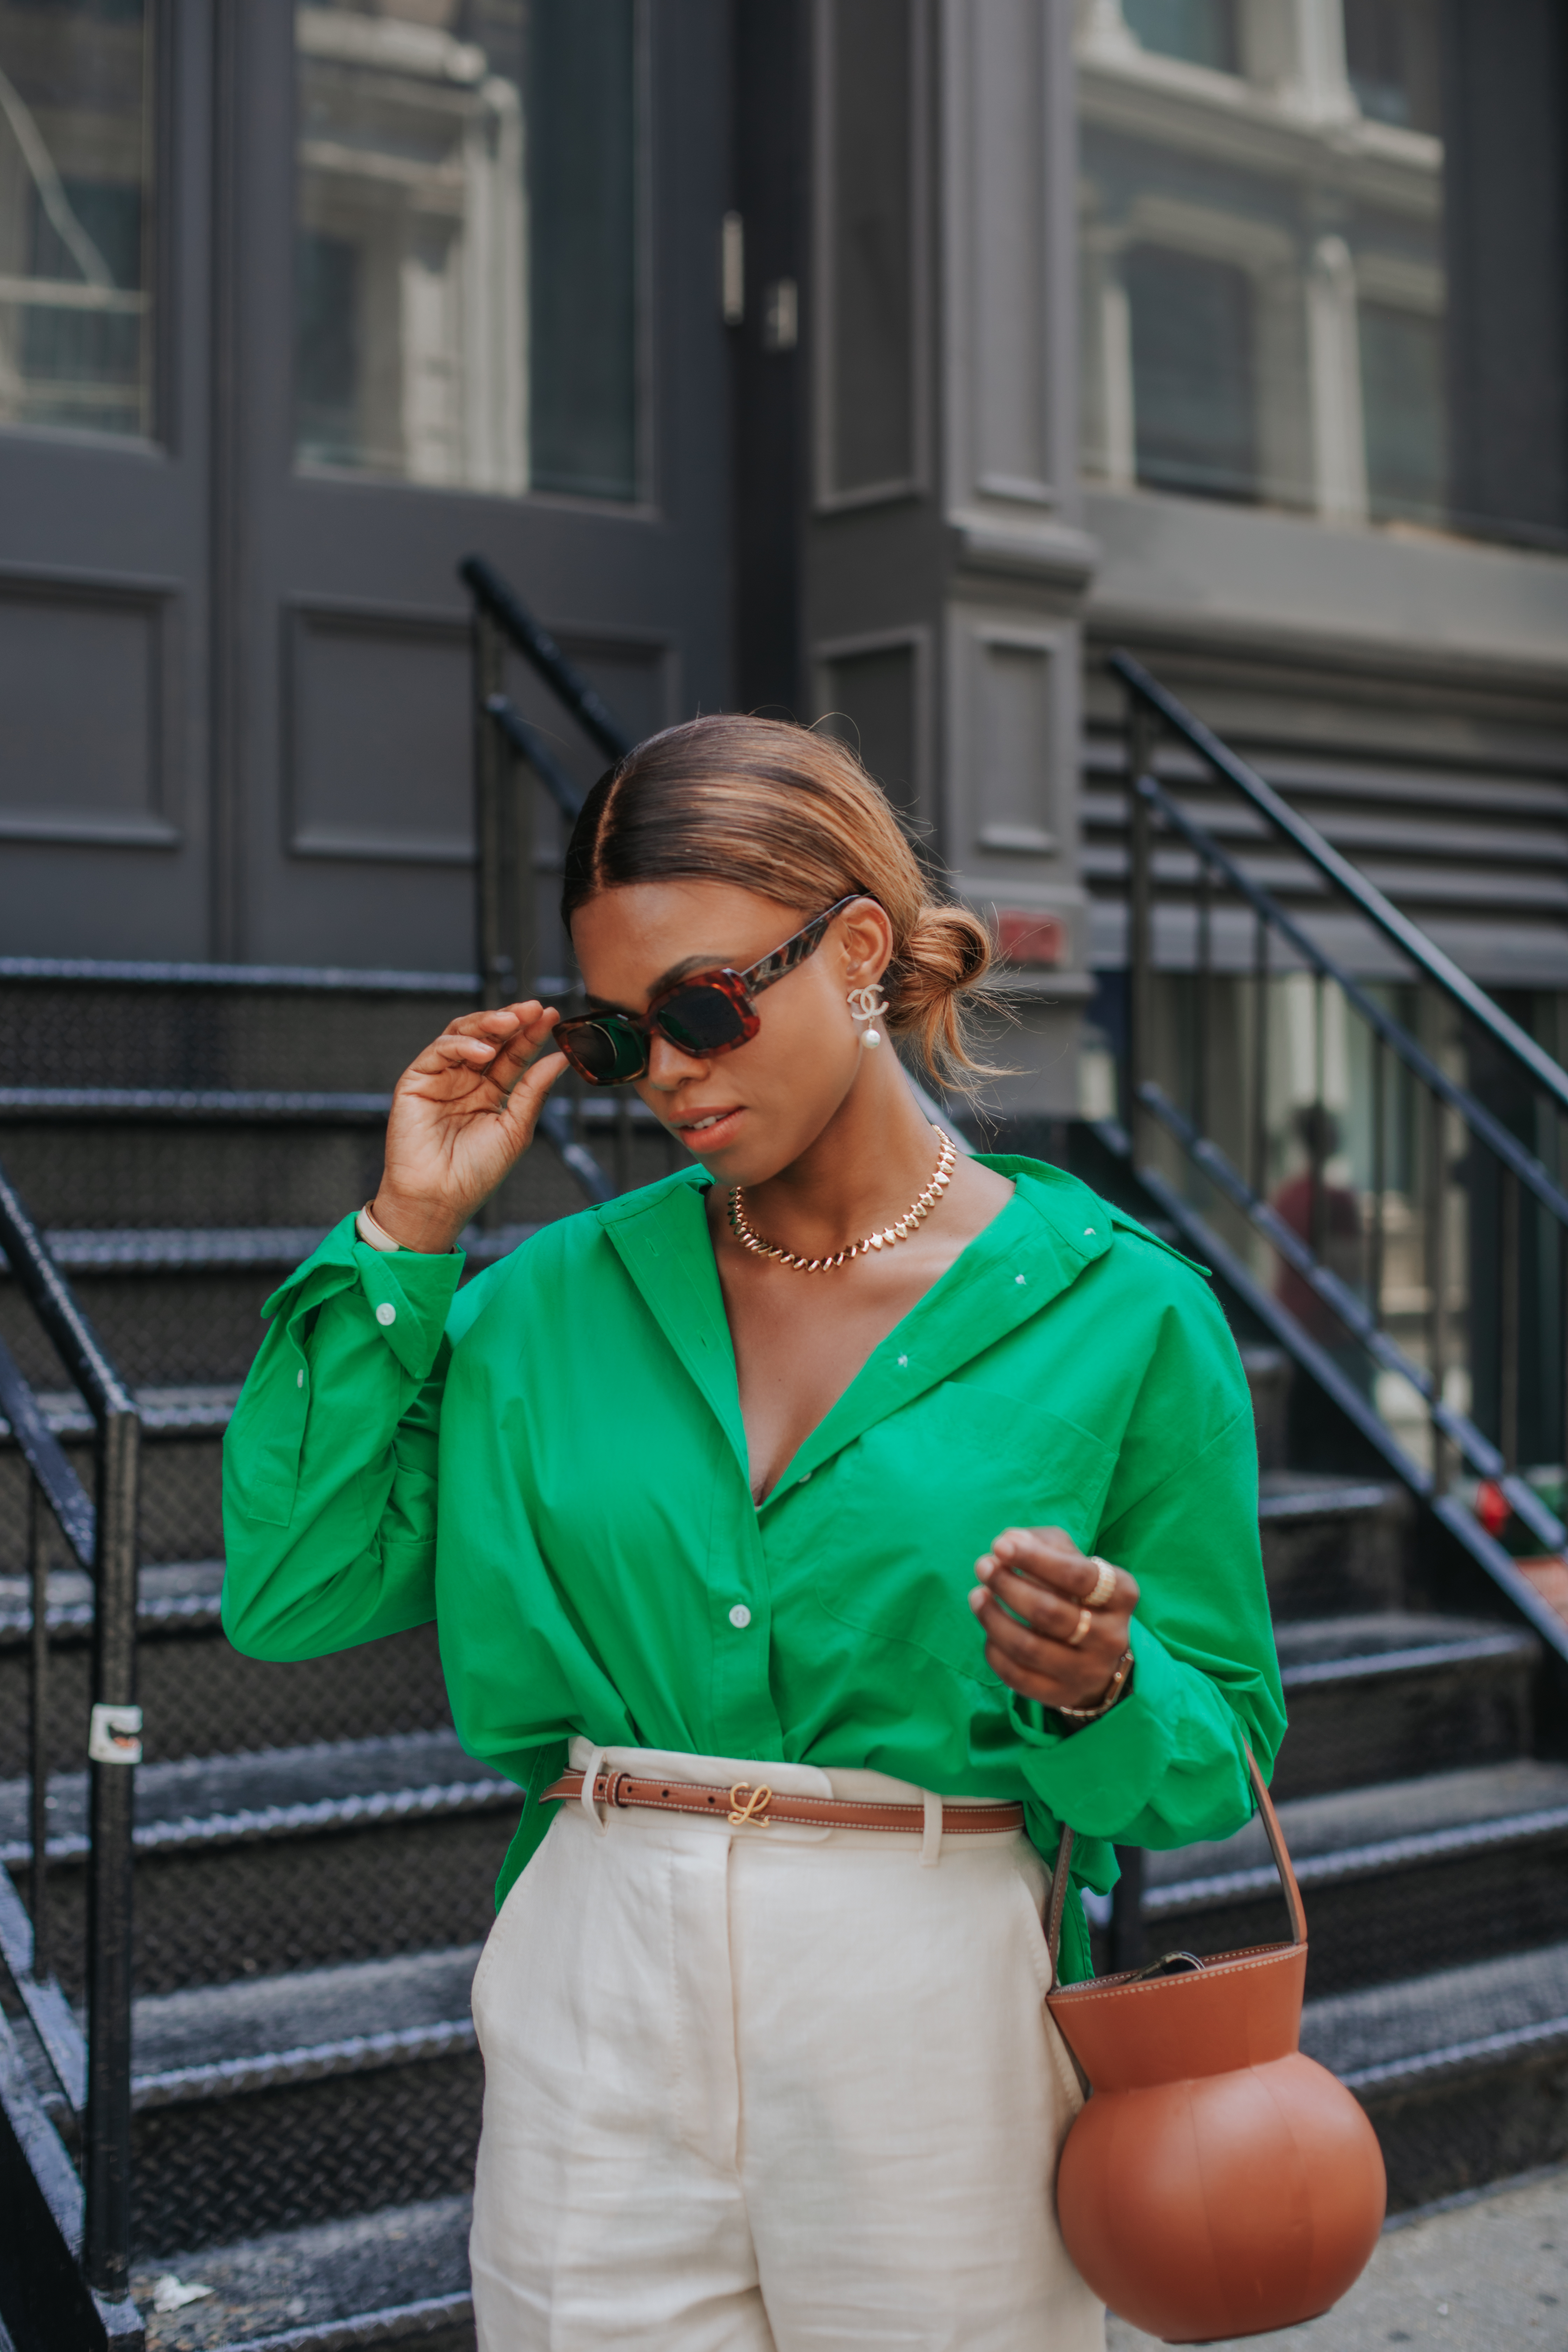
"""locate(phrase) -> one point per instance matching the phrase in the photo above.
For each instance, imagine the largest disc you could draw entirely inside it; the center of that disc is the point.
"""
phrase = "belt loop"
(590, 1774)
(931, 1843)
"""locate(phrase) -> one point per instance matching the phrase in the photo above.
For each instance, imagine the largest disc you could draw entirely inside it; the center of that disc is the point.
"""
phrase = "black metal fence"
(99, 1534)
(1428, 1289)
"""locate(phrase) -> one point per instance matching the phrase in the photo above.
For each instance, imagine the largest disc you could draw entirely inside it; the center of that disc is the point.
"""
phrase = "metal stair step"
(1376, 1698)
(1464, 2071)
(1333, 1544)
(399, 2275)
(1444, 1870)
(199, 1697)
(175, 1249)
(253, 1864)
(356, 2087)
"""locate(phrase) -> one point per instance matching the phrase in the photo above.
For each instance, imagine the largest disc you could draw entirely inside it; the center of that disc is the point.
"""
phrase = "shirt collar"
(1033, 1249)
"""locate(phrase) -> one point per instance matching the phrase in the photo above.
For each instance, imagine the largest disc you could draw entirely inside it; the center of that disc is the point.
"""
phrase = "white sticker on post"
(114, 1736)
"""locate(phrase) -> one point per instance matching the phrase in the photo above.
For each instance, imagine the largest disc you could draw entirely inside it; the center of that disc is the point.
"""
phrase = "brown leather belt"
(761, 1805)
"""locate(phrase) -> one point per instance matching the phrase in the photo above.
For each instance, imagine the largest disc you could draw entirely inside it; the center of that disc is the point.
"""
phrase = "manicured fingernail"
(985, 1566)
(978, 1599)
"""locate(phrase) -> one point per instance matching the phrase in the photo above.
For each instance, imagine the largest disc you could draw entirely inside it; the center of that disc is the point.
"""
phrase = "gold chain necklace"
(899, 1230)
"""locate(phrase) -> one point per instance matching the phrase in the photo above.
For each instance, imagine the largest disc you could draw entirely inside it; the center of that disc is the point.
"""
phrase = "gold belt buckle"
(749, 1804)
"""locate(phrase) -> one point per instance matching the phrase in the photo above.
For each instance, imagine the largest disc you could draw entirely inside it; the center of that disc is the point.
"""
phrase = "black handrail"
(113, 1746)
(536, 645)
(529, 745)
(1481, 1122)
(507, 752)
(1378, 910)
(1522, 1177)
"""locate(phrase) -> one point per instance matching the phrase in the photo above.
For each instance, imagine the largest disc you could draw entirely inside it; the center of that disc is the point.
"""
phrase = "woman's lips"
(708, 1131)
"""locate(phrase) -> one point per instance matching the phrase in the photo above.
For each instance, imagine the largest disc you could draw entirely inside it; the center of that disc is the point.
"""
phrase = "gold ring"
(1104, 1584)
(1079, 1631)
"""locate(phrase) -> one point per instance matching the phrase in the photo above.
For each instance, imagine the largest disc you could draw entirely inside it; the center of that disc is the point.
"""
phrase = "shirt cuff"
(406, 1292)
(1100, 1776)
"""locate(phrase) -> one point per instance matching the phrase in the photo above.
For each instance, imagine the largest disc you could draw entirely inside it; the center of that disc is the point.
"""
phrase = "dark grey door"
(477, 308)
(104, 468)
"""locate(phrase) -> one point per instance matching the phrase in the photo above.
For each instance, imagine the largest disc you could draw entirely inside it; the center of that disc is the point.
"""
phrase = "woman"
(693, 1486)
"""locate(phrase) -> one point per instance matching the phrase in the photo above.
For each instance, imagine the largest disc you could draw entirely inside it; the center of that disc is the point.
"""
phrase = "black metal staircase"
(314, 1854)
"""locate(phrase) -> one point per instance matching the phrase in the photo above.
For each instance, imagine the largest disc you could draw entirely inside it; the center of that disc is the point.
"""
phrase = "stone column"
(946, 560)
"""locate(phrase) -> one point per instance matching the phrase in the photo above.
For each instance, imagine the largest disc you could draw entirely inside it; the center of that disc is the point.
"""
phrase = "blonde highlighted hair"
(775, 808)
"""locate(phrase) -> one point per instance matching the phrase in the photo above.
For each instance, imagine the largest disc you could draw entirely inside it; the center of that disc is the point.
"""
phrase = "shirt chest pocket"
(919, 1497)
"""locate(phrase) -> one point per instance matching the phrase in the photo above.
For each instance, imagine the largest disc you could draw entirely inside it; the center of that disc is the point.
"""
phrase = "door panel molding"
(89, 679)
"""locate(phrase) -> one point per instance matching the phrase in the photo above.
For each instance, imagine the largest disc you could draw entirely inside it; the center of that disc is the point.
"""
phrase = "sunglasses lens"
(702, 1020)
(603, 1052)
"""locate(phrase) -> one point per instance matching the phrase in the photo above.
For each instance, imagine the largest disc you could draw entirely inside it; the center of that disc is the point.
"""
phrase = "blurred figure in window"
(1327, 1217)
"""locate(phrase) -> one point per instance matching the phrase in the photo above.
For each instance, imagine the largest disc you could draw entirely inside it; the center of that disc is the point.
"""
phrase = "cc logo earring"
(868, 1004)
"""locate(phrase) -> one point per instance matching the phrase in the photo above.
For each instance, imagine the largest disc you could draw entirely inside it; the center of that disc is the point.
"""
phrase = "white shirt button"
(1089, 1233)
(903, 1363)
(299, 1379)
(807, 1476)
(386, 1313)
(1017, 1277)
(740, 1616)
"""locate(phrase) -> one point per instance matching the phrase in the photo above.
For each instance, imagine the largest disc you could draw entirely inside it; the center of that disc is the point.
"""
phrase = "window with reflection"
(1265, 274)
(75, 216)
(467, 293)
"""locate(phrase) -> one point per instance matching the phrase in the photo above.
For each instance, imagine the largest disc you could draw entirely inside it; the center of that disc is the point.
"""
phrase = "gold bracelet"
(1117, 1686)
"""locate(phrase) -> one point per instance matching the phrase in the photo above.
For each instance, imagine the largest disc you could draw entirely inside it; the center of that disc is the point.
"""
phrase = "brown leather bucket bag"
(1217, 2183)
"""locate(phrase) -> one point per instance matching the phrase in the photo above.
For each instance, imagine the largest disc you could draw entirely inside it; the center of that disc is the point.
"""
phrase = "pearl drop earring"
(868, 1004)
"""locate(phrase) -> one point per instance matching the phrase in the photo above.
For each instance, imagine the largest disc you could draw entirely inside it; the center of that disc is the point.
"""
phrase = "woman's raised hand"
(1038, 1576)
(463, 1114)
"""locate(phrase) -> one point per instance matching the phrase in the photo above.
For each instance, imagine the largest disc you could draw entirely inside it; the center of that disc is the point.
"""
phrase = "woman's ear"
(867, 940)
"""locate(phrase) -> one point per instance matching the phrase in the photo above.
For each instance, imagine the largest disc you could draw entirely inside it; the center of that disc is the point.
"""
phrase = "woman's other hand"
(463, 1114)
(1039, 1576)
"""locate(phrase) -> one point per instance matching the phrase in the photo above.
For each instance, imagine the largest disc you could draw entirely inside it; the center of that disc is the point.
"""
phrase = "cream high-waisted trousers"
(771, 2089)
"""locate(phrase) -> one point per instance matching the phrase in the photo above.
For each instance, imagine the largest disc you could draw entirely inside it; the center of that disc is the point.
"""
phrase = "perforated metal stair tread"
(1396, 2033)
(181, 1249)
(1363, 1830)
(222, 2041)
(1312, 1493)
(169, 1593)
(190, 1409)
(257, 2015)
(1315, 1651)
(392, 2276)
(221, 1800)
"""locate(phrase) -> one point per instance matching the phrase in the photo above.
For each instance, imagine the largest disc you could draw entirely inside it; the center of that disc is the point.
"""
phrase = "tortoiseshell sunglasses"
(706, 1013)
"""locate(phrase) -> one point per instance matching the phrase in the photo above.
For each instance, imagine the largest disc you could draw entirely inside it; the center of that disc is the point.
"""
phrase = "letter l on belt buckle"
(749, 1804)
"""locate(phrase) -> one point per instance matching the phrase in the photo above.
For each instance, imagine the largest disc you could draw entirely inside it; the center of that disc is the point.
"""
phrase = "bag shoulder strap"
(1061, 1875)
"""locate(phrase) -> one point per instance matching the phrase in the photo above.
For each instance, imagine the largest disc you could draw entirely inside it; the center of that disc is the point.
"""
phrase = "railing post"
(490, 761)
(1260, 1055)
(1508, 1314)
(1142, 735)
(38, 1729)
(1436, 1278)
(1127, 1911)
(114, 1749)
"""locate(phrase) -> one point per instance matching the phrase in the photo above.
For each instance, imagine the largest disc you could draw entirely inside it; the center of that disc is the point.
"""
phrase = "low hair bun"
(944, 957)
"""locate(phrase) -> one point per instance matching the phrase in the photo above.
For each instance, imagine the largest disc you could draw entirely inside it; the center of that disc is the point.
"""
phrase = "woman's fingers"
(1030, 1600)
(1047, 1613)
(1049, 1559)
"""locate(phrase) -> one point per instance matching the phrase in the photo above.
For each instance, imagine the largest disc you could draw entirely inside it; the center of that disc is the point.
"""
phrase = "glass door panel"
(466, 260)
(75, 210)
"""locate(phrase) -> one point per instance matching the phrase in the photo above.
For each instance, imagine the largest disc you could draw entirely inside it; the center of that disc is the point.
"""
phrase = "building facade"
(884, 361)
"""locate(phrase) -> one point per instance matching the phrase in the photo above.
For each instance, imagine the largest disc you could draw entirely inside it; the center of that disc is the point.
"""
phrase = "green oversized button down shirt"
(551, 1463)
